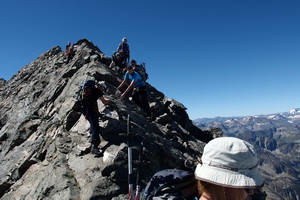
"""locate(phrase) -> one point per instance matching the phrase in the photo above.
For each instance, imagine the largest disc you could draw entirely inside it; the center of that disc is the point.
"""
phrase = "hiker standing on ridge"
(68, 46)
(123, 49)
(69, 52)
(139, 90)
(91, 93)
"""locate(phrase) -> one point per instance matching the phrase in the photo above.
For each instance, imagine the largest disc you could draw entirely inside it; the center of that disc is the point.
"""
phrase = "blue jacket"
(135, 77)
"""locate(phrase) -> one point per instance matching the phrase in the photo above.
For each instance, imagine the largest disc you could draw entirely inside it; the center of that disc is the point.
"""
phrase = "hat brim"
(228, 178)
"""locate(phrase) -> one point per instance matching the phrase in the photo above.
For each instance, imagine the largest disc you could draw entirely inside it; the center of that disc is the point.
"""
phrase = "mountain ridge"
(220, 118)
(44, 140)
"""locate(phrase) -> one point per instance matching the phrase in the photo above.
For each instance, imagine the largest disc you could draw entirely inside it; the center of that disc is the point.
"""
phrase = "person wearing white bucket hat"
(228, 170)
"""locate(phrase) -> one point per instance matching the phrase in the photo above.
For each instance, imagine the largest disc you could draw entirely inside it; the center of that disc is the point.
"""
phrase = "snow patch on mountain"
(295, 111)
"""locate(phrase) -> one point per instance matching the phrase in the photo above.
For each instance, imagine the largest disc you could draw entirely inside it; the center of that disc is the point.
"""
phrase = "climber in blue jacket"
(139, 90)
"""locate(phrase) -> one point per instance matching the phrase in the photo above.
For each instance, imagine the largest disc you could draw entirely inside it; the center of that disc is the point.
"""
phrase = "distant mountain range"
(289, 114)
(277, 139)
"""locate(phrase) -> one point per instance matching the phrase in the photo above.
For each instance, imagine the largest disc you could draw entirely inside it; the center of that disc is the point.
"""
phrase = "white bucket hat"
(229, 162)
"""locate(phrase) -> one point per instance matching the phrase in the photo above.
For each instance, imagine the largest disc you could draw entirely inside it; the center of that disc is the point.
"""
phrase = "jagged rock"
(270, 144)
(2, 82)
(164, 119)
(44, 139)
(216, 132)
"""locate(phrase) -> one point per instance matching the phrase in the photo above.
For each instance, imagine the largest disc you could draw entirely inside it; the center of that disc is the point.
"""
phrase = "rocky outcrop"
(2, 82)
(44, 140)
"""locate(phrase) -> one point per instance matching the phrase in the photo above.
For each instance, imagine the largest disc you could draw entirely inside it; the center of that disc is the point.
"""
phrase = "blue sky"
(216, 57)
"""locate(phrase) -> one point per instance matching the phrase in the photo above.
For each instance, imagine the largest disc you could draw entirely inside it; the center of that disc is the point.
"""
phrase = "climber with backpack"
(124, 51)
(140, 68)
(117, 61)
(121, 57)
(90, 93)
(139, 90)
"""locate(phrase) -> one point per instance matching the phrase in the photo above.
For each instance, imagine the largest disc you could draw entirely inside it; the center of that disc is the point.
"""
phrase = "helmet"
(90, 83)
(124, 39)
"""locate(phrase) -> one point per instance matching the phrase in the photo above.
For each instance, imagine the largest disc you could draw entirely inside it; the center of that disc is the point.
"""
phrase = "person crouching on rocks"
(228, 170)
(139, 90)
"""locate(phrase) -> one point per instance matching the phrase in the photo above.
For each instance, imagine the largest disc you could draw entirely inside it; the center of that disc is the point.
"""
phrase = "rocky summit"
(44, 139)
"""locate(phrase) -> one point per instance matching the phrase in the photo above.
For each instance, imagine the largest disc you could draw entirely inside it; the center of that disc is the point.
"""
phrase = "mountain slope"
(44, 140)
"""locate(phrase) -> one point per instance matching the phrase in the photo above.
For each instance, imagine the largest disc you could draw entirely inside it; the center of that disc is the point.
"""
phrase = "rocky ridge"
(44, 140)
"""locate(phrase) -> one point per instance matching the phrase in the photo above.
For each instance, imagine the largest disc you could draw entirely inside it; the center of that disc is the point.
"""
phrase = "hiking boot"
(96, 151)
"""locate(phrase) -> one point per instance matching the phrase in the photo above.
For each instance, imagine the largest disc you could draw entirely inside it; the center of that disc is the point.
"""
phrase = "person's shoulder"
(137, 75)
(126, 75)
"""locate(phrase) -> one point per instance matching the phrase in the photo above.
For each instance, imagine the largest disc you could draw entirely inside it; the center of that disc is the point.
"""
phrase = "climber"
(139, 90)
(140, 68)
(91, 93)
(135, 65)
(118, 61)
(124, 51)
(69, 52)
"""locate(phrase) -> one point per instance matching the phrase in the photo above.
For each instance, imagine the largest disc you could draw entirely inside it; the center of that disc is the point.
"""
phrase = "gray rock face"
(44, 140)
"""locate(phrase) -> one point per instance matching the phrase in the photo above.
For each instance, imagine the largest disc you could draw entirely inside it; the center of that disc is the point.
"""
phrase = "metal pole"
(138, 178)
(130, 178)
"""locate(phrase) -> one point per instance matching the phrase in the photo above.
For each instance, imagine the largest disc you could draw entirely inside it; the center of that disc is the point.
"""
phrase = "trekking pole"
(130, 179)
(138, 178)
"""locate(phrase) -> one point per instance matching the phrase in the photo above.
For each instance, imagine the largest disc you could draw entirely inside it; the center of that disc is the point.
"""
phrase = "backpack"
(141, 69)
(171, 184)
(118, 59)
(116, 56)
(84, 94)
(87, 89)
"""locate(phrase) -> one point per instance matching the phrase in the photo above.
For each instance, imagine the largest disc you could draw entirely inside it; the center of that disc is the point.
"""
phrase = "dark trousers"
(69, 57)
(94, 129)
(140, 97)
